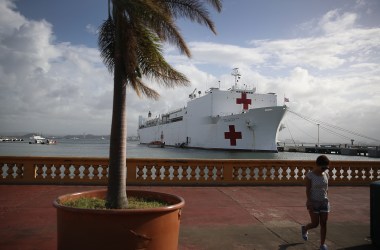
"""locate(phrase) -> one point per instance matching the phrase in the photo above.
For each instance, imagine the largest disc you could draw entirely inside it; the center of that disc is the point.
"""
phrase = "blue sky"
(322, 55)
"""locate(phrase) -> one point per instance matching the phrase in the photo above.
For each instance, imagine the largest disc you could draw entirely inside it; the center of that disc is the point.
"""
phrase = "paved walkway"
(258, 217)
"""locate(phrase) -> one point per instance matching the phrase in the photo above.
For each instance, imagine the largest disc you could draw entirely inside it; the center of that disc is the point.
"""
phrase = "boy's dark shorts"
(320, 206)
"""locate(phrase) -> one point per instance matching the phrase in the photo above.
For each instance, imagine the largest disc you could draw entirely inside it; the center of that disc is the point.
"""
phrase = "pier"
(369, 151)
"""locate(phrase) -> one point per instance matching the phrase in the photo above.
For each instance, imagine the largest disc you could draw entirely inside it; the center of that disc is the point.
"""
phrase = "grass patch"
(97, 203)
(89, 203)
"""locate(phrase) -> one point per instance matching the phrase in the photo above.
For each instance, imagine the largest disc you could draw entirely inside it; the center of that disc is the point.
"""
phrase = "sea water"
(100, 148)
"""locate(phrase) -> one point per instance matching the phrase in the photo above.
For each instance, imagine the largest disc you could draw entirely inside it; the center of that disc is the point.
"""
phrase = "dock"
(370, 151)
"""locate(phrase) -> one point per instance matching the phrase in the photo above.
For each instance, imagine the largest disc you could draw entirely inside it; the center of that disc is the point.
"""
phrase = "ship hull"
(253, 130)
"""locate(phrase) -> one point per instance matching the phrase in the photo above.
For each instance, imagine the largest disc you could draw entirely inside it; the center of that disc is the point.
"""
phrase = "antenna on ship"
(192, 95)
(236, 74)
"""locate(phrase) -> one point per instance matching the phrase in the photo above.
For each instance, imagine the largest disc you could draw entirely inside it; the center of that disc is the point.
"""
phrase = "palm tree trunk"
(116, 195)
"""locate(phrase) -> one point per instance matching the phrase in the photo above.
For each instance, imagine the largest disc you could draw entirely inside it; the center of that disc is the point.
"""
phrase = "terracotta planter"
(156, 228)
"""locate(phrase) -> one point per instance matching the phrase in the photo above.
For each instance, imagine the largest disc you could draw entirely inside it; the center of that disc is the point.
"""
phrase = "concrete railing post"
(29, 175)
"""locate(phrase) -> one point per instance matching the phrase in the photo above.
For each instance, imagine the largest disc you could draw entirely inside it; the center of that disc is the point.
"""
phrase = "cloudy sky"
(322, 55)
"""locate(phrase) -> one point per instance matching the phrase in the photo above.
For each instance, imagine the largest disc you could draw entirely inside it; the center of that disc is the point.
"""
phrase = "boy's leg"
(323, 221)
(314, 217)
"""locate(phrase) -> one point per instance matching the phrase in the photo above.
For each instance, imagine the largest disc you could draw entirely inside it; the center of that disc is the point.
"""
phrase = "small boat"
(50, 142)
(10, 139)
(37, 139)
(156, 144)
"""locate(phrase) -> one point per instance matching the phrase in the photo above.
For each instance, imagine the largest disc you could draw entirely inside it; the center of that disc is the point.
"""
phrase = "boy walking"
(317, 202)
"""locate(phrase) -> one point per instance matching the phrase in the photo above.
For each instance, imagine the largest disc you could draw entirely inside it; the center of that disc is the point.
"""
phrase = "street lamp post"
(318, 134)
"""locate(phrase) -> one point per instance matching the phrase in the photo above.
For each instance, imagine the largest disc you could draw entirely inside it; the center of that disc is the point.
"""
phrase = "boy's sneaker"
(323, 247)
(304, 233)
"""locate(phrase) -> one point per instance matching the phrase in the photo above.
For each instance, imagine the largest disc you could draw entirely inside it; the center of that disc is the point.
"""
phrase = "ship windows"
(177, 119)
(248, 92)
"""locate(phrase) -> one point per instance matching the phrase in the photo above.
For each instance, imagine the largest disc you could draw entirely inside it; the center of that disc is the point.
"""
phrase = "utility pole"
(318, 134)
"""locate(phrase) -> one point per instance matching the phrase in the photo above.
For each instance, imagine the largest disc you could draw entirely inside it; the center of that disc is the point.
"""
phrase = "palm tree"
(130, 42)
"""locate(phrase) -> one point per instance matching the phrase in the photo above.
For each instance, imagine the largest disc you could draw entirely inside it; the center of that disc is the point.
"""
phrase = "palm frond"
(151, 14)
(193, 10)
(153, 64)
(131, 39)
(142, 89)
(106, 43)
(217, 4)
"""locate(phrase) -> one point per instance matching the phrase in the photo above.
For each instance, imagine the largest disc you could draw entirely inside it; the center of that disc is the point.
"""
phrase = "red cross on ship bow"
(243, 100)
(232, 135)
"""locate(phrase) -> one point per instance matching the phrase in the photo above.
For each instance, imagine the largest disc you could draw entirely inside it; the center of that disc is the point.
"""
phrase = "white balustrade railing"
(94, 171)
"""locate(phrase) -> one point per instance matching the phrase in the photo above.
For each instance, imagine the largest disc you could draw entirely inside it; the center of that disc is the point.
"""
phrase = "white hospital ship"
(233, 119)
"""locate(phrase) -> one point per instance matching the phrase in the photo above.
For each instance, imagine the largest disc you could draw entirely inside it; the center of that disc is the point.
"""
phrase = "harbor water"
(100, 148)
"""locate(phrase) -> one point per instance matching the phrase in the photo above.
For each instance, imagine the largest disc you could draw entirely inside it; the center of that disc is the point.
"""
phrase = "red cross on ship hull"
(243, 100)
(232, 135)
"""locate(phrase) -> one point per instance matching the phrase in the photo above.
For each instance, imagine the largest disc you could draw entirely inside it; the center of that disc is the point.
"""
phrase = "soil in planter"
(97, 203)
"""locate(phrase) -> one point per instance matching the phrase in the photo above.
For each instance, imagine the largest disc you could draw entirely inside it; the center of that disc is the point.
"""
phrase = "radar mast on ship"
(236, 74)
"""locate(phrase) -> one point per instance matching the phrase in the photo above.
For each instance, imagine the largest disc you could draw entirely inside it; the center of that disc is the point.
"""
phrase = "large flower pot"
(155, 228)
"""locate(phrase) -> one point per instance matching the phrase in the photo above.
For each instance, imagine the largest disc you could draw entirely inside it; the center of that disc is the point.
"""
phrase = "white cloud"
(60, 88)
(212, 53)
(48, 87)
(328, 51)
(333, 21)
(91, 29)
(7, 8)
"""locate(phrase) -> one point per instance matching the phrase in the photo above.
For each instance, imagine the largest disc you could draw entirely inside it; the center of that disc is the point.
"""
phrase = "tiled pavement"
(257, 217)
